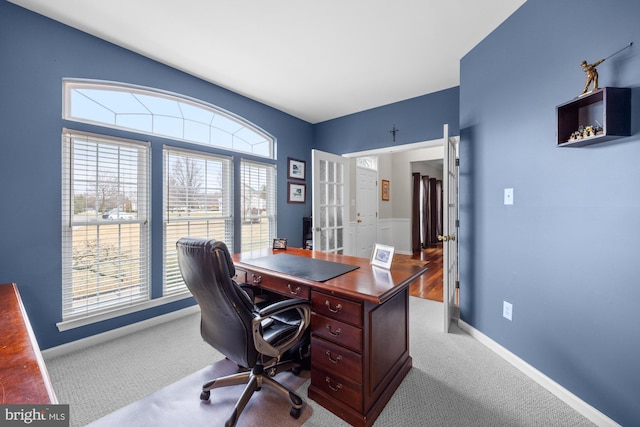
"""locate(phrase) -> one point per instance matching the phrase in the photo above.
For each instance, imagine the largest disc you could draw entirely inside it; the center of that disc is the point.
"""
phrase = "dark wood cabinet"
(607, 111)
(23, 375)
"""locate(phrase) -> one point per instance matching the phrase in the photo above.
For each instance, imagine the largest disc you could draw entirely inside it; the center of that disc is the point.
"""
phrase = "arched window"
(107, 184)
(154, 112)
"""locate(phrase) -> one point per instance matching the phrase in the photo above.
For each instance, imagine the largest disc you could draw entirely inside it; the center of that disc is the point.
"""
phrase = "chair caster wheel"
(296, 371)
(295, 413)
(205, 395)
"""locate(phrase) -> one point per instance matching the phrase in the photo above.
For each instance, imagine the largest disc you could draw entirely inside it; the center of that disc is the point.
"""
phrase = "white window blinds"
(105, 229)
(257, 205)
(198, 202)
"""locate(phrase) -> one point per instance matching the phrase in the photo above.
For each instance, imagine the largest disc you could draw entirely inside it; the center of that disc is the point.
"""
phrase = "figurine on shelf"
(592, 74)
(586, 132)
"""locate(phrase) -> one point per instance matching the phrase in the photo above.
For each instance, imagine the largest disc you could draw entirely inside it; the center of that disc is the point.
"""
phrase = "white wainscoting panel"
(394, 232)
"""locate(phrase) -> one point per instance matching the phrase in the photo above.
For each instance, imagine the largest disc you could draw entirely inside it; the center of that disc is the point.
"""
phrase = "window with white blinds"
(105, 227)
(257, 205)
(198, 202)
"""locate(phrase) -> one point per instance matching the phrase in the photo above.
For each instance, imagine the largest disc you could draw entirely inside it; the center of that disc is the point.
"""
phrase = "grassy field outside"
(109, 259)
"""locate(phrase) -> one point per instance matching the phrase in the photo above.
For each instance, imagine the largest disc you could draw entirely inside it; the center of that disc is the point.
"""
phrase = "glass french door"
(330, 202)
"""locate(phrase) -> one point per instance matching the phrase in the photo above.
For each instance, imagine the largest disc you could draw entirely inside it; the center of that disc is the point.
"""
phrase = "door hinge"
(457, 284)
(457, 162)
(457, 223)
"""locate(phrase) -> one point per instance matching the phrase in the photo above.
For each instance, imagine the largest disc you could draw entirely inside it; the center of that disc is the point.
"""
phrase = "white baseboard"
(588, 411)
(83, 343)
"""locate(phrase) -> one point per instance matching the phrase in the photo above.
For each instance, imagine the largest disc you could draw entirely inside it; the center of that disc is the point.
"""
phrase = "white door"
(366, 211)
(449, 229)
(330, 201)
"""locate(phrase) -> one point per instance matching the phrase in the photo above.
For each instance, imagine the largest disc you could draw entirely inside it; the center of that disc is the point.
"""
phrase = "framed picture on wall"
(297, 169)
(385, 188)
(297, 193)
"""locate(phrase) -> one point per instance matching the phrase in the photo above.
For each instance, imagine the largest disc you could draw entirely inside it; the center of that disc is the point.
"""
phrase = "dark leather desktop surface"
(306, 268)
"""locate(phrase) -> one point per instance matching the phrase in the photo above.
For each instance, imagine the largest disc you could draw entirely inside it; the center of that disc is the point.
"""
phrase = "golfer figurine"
(592, 74)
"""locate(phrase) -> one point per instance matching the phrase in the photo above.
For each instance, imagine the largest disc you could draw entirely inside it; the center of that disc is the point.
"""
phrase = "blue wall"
(37, 53)
(418, 119)
(566, 253)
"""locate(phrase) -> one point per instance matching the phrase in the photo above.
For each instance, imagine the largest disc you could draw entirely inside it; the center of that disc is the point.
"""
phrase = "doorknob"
(359, 220)
(442, 238)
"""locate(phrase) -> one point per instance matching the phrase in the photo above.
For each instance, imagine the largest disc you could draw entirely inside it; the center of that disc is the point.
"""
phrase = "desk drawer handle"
(333, 310)
(334, 361)
(256, 279)
(297, 290)
(336, 388)
(336, 333)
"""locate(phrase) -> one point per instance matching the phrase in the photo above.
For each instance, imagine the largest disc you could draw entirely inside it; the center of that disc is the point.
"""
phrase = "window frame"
(172, 283)
(137, 92)
(270, 206)
(72, 226)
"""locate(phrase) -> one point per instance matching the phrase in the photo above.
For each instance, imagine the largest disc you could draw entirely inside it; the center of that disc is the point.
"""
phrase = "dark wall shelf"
(608, 108)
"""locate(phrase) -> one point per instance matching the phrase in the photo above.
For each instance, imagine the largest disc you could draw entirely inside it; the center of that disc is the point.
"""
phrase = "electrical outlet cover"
(507, 310)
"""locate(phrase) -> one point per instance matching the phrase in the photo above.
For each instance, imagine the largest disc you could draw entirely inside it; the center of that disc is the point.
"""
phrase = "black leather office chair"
(265, 340)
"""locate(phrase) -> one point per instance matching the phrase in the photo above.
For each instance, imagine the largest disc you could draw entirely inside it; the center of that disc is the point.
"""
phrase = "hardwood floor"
(429, 285)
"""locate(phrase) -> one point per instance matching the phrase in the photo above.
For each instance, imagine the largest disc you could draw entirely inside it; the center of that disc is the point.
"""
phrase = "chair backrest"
(226, 310)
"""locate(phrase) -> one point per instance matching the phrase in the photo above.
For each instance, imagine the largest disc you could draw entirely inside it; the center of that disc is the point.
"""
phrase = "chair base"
(254, 380)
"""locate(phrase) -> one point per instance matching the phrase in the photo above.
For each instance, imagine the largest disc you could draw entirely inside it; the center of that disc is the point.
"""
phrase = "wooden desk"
(359, 330)
(23, 375)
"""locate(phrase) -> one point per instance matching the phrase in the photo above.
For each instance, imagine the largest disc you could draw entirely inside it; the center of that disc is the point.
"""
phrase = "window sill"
(66, 325)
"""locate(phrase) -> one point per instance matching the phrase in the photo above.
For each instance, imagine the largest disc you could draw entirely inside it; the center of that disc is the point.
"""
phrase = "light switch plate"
(508, 196)
(507, 310)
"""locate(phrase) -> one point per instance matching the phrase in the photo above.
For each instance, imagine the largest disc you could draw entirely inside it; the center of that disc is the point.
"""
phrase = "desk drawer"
(338, 387)
(281, 286)
(337, 332)
(334, 358)
(337, 308)
(241, 276)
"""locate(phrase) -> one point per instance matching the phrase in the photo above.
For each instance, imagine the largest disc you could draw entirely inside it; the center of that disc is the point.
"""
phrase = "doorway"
(396, 216)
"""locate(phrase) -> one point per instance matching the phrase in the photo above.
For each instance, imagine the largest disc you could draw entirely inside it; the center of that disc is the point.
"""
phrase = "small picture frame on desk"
(382, 256)
(280, 243)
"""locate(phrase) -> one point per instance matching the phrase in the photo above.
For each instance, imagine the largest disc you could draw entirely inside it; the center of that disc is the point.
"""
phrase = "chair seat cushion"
(275, 331)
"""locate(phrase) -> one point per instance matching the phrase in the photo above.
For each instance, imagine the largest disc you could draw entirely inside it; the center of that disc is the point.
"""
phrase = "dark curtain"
(439, 208)
(434, 219)
(415, 213)
(427, 221)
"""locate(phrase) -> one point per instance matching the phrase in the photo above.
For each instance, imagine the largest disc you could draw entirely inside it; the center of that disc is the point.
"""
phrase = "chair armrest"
(281, 306)
(304, 310)
(248, 289)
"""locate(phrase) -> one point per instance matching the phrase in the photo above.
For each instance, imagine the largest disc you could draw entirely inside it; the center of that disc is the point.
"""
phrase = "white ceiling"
(314, 60)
